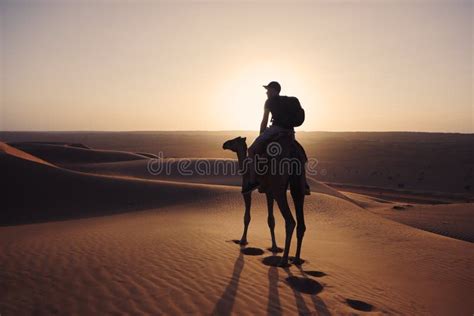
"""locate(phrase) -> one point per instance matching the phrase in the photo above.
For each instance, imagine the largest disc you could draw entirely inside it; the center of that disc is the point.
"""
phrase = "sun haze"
(372, 66)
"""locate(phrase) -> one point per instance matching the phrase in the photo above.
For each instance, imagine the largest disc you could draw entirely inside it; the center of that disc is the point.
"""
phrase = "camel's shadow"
(299, 284)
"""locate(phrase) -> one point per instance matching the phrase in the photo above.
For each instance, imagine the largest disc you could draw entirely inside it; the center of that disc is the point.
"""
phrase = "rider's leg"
(304, 158)
(252, 151)
(251, 155)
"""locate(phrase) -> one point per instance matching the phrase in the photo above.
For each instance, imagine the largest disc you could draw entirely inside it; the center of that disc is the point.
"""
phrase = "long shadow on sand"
(274, 305)
(318, 303)
(226, 302)
(298, 285)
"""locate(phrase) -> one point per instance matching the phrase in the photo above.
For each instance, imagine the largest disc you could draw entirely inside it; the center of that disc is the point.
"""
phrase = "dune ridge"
(12, 151)
(61, 153)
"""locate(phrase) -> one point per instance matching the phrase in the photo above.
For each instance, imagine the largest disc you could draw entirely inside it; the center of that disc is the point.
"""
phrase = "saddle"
(296, 150)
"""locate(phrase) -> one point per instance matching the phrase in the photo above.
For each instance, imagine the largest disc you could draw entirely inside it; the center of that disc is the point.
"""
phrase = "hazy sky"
(144, 65)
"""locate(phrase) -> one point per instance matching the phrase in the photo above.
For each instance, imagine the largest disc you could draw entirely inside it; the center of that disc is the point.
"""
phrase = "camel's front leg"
(298, 199)
(271, 222)
(248, 203)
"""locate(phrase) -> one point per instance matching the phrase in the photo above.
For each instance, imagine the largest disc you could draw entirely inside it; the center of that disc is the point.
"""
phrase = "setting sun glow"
(239, 100)
(201, 66)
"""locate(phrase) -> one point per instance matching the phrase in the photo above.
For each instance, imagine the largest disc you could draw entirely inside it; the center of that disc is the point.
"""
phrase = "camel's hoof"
(297, 261)
(243, 242)
(275, 249)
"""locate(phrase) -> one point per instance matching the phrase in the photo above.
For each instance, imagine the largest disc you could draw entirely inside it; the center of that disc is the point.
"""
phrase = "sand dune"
(12, 151)
(176, 255)
(36, 191)
(443, 220)
(453, 220)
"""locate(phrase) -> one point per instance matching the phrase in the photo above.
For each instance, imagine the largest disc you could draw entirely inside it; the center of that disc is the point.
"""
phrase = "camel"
(275, 185)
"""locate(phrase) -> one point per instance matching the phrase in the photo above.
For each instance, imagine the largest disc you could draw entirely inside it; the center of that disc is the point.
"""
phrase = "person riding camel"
(283, 121)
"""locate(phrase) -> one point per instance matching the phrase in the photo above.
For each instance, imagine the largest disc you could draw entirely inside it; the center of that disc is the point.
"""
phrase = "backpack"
(287, 111)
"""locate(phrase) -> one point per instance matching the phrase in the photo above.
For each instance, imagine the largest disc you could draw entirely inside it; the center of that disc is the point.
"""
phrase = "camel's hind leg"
(289, 223)
(248, 203)
(271, 221)
(298, 193)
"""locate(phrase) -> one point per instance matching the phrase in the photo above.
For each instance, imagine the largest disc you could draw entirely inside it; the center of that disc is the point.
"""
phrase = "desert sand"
(88, 231)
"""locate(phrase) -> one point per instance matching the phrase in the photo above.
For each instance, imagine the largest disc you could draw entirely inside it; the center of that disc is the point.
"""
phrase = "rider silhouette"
(266, 133)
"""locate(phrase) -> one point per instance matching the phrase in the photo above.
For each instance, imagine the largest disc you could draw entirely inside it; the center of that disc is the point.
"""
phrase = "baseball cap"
(273, 85)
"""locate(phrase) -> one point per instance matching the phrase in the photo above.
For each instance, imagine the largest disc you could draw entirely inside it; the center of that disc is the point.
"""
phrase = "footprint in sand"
(304, 285)
(359, 305)
(252, 251)
(316, 274)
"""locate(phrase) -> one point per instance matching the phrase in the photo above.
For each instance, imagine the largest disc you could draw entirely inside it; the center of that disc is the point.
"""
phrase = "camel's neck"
(241, 155)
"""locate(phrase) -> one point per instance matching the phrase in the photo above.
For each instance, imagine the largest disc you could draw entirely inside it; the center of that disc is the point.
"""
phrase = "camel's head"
(235, 144)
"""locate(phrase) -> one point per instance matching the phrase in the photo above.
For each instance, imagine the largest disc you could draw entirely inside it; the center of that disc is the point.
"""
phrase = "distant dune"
(453, 220)
(77, 145)
(416, 162)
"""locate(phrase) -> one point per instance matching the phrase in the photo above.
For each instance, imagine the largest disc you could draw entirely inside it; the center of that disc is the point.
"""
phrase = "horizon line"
(220, 131)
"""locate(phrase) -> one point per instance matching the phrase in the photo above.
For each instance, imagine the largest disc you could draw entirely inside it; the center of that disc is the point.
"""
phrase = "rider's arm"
(264, 123)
